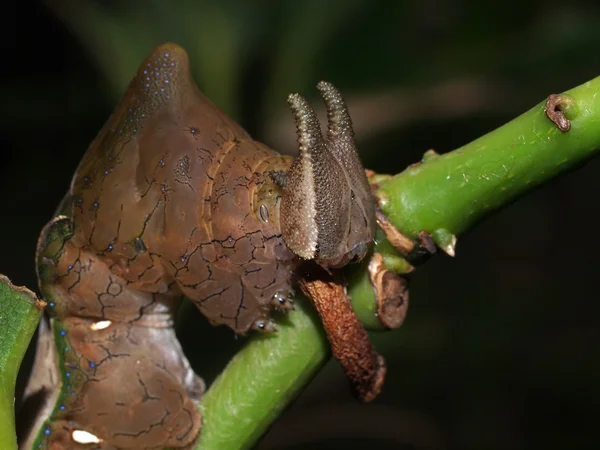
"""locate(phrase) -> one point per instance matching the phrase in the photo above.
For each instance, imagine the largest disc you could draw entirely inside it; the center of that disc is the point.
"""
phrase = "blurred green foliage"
(499, 350)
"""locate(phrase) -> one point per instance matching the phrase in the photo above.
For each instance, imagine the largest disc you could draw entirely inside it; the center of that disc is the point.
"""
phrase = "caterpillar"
(174, 199)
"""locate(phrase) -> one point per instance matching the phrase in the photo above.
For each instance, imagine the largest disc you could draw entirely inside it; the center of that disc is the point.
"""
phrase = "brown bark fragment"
(349, 341)
(403, 244)
(391, 291)
(427, 242)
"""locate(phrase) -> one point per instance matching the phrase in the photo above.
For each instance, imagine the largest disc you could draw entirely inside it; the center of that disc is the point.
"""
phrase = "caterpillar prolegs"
(174, 199)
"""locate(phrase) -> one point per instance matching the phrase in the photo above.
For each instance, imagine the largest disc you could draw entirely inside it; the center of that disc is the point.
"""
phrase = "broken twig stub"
(555, 106)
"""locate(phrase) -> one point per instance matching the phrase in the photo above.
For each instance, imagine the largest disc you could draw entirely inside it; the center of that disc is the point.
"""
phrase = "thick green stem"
(261, 380)
(20, 314)
(445, 195)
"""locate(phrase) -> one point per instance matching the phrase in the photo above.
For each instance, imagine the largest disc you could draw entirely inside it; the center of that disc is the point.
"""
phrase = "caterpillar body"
(175, 199)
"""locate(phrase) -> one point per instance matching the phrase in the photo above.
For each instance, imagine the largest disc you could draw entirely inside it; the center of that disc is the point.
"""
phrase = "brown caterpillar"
(175, 199)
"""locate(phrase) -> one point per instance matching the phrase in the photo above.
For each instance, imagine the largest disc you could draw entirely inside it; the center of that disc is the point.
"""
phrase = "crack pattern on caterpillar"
(164, 204)
(174, 199)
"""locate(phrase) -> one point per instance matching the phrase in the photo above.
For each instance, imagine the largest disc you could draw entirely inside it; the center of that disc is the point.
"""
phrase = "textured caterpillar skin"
(172, 198)
(168, 197)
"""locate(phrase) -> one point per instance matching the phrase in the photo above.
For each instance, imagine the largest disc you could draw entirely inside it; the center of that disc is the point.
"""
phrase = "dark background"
(500, 348)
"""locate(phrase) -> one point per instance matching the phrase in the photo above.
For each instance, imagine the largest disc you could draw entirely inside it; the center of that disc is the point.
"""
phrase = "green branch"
(261, 380)
(445, 195)
(20, 313)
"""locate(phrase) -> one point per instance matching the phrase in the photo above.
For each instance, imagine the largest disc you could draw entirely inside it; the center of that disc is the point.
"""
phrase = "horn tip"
(328, 91)
(296, 101)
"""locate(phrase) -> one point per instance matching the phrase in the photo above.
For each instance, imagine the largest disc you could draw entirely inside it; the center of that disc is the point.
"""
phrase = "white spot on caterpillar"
(84, 437)
(100, 325)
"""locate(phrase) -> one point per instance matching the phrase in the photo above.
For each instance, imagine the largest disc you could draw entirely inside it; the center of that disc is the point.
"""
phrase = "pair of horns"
(319, 206)
(339, 124)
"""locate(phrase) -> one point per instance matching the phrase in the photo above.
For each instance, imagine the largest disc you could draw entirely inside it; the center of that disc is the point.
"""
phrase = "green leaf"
(20, 313)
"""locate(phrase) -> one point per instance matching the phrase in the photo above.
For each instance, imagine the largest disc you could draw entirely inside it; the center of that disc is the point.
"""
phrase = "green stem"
(261, 380)
(445, 195)
(20, 314)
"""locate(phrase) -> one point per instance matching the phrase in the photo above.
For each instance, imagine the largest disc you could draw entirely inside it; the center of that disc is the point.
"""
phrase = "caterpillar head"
(327, 210)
